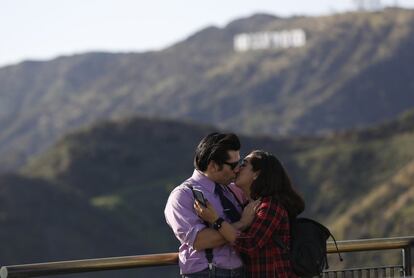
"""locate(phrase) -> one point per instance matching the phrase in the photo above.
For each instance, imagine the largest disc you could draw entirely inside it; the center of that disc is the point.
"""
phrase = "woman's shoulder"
(273, 202)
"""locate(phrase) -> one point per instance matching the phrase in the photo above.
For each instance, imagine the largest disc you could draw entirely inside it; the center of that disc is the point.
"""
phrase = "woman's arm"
(227, 230)
(270, 217)
(248, 214)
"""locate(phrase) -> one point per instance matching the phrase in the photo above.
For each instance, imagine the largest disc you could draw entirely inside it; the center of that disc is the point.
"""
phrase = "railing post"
(3, 272)
(407, 260)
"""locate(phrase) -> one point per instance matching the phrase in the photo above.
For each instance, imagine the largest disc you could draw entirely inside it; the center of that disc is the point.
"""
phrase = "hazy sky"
(44, 29)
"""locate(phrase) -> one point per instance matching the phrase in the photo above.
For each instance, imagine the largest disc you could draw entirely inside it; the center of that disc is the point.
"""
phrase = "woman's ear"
(256, 174)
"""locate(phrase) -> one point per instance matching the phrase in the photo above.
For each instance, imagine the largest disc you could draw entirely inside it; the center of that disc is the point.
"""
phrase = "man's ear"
(213, 166)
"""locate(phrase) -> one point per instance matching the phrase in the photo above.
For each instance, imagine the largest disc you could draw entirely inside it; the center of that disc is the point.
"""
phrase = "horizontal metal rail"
(78, 266)
(371, 244)
(165, 259)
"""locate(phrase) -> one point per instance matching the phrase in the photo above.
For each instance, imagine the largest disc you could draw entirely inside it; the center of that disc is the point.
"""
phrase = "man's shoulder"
(182, 190)
(181, 198)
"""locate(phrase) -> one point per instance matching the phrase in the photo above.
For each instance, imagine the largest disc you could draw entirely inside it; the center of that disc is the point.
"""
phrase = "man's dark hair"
(214, 147)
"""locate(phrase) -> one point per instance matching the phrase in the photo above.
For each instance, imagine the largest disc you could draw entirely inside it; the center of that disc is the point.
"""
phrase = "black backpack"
(307, 252)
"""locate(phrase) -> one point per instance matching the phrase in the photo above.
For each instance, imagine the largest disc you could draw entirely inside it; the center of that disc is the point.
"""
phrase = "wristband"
(217, 224)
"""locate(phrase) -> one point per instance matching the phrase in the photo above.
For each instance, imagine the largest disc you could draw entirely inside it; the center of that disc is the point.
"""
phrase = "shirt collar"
(199, 178)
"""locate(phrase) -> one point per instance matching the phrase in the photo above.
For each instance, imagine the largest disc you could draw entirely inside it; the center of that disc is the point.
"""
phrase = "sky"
(45, 29)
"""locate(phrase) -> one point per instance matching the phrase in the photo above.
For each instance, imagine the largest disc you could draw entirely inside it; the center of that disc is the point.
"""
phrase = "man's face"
(228, 172)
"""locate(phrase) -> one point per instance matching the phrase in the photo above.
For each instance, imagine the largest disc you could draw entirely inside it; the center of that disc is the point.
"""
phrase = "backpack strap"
(209, 251)
(336, 245)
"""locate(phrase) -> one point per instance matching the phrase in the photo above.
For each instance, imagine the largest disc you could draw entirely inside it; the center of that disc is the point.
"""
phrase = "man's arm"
(187, 226)
(208, 238)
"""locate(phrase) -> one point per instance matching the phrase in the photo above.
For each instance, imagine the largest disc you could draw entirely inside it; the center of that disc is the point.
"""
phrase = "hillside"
(354, 71)
(41, 221)
(343, 165)
(349, 165)
(116, 176)
(392, 200)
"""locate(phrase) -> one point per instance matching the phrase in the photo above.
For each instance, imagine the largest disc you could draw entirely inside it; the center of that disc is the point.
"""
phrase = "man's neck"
(210, 176)
(207, 174)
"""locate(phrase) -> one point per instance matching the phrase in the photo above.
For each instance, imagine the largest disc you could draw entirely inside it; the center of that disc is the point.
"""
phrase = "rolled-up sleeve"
(181, 216)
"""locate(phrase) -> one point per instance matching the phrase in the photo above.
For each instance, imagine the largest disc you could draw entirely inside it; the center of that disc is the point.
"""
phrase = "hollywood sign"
(269, 40)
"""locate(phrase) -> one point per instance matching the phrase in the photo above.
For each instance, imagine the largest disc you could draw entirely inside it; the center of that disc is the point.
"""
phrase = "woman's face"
(246, 176)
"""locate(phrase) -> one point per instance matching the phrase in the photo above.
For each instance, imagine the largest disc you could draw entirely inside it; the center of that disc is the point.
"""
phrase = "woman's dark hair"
(214, 147)
(274, 181)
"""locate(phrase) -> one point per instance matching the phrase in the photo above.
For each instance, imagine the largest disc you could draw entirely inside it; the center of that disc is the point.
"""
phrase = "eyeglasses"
(243, 163)
(233, 165)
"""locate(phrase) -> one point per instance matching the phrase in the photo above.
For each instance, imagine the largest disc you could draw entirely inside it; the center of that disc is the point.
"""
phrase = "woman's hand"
(249, 212)
(208, 213)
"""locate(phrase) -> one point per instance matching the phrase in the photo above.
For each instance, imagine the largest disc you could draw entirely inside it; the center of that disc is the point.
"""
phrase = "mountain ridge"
(322, 87)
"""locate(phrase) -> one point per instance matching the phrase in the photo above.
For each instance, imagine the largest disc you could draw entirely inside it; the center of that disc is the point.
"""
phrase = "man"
(203, 251)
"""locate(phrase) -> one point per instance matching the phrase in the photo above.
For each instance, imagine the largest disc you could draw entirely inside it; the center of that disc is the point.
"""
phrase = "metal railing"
(384, 271)
(401, 270)
(165, 259)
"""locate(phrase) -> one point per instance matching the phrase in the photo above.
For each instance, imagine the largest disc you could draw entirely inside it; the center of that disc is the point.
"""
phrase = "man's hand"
(208, 213)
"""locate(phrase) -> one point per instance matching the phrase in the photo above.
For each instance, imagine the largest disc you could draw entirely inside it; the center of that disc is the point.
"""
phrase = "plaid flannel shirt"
(261, 256)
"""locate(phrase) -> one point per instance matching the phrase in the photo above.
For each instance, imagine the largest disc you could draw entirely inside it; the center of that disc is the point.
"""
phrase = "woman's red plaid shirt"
(262, 257)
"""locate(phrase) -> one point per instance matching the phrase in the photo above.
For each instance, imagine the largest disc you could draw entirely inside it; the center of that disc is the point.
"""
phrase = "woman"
(263, 178)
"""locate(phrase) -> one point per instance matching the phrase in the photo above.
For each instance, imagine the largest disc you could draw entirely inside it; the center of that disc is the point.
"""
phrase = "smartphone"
(198, 195)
